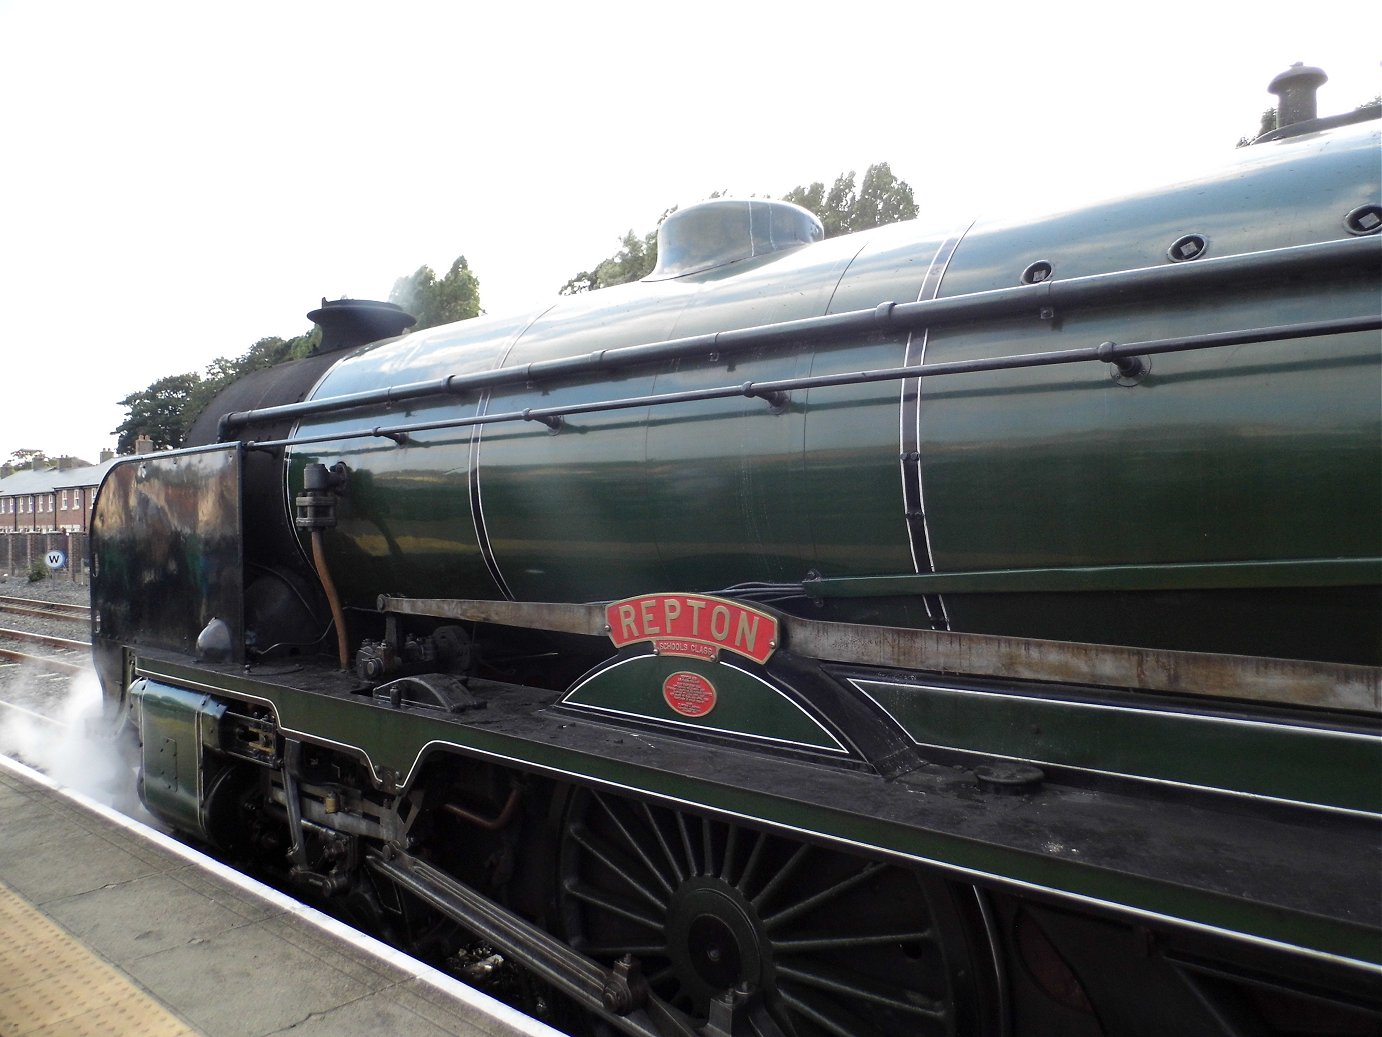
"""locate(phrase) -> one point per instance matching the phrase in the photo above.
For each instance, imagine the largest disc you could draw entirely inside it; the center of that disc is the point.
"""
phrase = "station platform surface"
(109, 928)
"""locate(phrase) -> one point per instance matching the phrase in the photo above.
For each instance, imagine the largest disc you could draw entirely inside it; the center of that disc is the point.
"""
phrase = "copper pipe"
(332, 598)
(489, 824)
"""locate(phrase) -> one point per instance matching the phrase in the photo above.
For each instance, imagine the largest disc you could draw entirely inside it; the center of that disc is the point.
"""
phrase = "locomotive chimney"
(1295, 89)
(347, 323)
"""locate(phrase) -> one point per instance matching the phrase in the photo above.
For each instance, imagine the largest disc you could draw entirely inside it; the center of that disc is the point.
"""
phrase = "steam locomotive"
(955, 631)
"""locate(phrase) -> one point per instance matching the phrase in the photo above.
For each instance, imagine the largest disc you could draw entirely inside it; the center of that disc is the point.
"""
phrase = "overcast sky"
(182, 179)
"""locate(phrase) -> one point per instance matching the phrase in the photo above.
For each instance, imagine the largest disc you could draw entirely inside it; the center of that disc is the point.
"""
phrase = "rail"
(45, 639)
(41, 662)
(40, 609)
(776, 392)
(1043, 299)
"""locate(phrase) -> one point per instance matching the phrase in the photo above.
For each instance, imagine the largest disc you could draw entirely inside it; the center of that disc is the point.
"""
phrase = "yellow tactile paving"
(52, 986)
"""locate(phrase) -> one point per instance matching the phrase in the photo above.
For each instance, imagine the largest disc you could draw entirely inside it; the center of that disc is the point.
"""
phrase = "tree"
(633, 262)
(157, 412)
(28, 458)
(167, 408)
(455, 297)
(267, 352)
(880, 198)
(1265, 124)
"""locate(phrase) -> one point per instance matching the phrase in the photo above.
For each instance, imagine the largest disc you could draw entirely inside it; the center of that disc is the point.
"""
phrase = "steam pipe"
(489, 824)
(333, 599)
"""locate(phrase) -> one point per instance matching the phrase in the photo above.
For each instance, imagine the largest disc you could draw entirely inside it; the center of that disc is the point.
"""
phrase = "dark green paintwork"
(174, 725)
(398, 741)
(1227, 502)
(744, 705)
(1331, 767)
(1263, 458)
(1312, 572)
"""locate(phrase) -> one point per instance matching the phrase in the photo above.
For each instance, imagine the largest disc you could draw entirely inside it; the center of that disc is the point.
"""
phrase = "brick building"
(48, 510)
(56, 500)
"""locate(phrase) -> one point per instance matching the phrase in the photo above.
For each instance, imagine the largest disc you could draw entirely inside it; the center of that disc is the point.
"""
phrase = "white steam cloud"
(73, 745)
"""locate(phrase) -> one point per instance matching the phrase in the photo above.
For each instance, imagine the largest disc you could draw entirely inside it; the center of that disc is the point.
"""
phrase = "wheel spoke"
(731, 845)
(856, 992)
(582, 836)
(824, 896)
(832, 943)
(634, 844)
(584, 893)
(662, 842)
(783, 875)
(745, 880)
(841, 946)
(825, 1022)
(685, 831)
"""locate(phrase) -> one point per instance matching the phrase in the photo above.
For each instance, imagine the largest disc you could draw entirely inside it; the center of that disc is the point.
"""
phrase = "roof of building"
(45, 480)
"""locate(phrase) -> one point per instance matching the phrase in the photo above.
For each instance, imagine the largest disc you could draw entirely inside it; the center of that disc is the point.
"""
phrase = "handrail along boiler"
(971, 631)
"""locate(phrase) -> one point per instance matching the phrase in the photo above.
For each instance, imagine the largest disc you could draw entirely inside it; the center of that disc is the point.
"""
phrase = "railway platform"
(109, 928)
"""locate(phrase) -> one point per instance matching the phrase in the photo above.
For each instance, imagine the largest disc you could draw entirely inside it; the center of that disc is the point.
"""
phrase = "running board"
(1294, 682)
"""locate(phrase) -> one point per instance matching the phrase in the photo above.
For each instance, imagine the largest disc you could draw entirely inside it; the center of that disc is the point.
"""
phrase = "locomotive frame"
(848, 803)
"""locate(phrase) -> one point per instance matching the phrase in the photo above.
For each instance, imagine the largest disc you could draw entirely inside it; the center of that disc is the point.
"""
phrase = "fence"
(20, 551)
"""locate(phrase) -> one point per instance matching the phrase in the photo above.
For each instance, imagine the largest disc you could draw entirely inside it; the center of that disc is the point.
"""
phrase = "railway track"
(31, 646)
(43, 711)
(47, 640)
(38, 623)
(47, 663)
(40, 609)
(44, 661)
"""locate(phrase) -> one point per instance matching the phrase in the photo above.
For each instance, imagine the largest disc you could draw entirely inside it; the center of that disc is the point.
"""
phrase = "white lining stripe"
(565, 701)
(971, 874)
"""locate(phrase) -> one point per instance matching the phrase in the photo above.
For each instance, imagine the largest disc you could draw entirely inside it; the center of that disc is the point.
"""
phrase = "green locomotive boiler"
(933, 630)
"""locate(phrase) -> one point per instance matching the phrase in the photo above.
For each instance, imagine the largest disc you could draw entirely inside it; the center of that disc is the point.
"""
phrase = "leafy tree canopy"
(634, 261)
(878, 199)
(436, 301)
(27, 458)
(37, 460)
(166, 409)
(157, 412)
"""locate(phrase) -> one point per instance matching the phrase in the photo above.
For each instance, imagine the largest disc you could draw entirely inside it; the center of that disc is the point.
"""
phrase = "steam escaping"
(74, 744)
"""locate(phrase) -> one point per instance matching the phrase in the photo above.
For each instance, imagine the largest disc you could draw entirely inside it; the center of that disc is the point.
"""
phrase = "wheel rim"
(837, 944)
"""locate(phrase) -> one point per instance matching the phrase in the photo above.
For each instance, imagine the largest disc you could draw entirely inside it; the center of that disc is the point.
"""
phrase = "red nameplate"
(697, 626)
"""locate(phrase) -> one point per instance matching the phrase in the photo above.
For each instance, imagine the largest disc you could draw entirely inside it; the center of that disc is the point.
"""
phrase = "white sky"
(180, 179)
